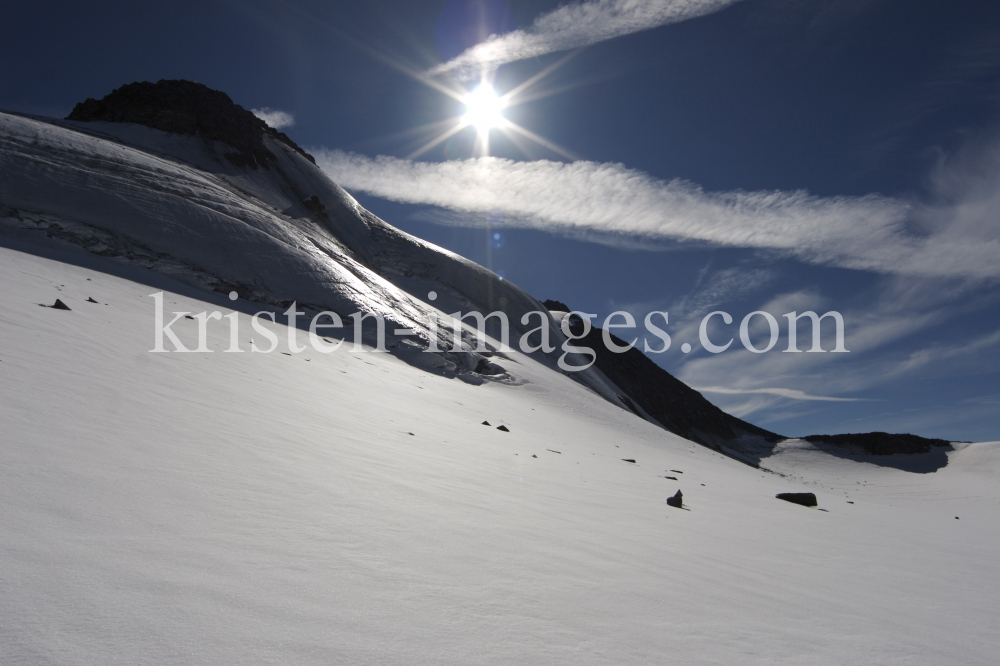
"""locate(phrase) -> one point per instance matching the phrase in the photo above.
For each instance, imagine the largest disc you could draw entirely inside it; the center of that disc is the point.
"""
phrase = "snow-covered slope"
(271, 226)
(173, 203)
(242, 508)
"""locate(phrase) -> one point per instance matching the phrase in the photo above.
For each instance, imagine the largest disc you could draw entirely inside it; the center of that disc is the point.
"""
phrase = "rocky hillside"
(656, 395)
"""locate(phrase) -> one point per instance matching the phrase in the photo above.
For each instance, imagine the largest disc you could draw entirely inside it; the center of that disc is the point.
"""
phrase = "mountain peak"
(188, 107)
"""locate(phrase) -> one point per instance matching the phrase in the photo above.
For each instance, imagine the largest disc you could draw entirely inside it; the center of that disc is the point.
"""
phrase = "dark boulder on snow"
(881, 443)
(59, 305)
(486, 423)
(805, 499)
(186, 107)
(629, 460)
(485, 367)
(677, 501)
(503, 428)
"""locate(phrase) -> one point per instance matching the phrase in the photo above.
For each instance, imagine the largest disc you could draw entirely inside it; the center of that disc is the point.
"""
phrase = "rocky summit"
(188, 107)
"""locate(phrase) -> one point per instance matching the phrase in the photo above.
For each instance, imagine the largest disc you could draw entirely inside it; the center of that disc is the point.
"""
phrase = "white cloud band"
(865, 233)
(574, 26)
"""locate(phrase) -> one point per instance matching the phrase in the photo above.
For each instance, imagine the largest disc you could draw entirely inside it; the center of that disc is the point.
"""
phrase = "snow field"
(263, 508)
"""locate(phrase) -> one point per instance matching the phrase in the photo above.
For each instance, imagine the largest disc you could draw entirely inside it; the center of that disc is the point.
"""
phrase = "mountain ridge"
(178, 178)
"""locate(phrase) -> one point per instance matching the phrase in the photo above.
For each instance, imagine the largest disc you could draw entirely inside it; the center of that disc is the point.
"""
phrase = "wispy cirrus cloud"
(885, 336)
(939, 353)
(755, 380)
(872, 233)
(574, 26)
(274, 118)
(782, 392)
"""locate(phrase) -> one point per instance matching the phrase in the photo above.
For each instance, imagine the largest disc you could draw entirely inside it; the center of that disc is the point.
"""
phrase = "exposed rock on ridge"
(664, 398)
(881, 443)
(186, 107)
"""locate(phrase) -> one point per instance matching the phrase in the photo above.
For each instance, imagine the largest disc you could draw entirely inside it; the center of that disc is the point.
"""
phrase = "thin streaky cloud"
(575, 26)
(782, 392)
(878, 329)
(936, 354)
(869, 232)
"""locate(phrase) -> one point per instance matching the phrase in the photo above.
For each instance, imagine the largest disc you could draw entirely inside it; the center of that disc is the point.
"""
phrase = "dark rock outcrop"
(555, 306)
(805, 499)
(186, 107)
(59, 305)
(677, 501)
(315, 206)
(664, 398)
(484, 367)
(881, 443)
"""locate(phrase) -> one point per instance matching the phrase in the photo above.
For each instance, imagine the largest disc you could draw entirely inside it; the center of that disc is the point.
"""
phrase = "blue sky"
(758, 155)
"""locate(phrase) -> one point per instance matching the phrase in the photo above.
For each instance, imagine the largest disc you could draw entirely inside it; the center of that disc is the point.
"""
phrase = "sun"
(484, 109)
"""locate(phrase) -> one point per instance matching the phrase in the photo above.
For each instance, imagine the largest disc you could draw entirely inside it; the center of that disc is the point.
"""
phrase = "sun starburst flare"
(484, 110)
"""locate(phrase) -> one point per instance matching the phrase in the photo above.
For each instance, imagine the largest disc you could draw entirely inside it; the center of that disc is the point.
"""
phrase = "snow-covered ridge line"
(175, 204)
(180, 205)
